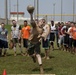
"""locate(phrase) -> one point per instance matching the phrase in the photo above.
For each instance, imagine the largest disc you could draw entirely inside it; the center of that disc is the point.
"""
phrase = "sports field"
(60, 63)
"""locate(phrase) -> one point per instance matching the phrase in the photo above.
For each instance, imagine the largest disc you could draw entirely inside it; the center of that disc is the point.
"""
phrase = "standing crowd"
(37, 33)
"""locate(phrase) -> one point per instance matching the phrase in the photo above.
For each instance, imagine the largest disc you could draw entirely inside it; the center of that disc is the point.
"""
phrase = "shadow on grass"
(48, 69)
(42, 55)
(18, 54)
(51, 57)
(45, 69)
(56, 48)
(10, 54)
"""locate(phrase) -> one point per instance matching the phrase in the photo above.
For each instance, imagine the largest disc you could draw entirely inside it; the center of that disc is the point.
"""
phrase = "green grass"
(60, 63)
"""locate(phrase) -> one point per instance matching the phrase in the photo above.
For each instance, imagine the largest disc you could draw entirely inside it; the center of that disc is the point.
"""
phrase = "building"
(13, 15)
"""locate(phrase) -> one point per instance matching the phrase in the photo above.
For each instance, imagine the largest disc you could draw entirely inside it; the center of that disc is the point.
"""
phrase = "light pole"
(37, 9)
(61, 9)
(9, 8)
(17, 10)
(54, 11)
(6, 12)
(73, 9)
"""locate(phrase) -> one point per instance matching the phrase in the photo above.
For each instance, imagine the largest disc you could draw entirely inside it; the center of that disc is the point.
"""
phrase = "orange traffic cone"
(4, 72)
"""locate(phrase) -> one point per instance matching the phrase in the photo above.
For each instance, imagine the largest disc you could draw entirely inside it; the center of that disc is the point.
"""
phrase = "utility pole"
(6, 13)
(73, 9)
(17, 10)
(54, 11)
(61, 9)
(37, 9)
(9, 8)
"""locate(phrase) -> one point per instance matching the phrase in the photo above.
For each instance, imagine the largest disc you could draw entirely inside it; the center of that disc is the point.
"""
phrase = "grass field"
(60, 63)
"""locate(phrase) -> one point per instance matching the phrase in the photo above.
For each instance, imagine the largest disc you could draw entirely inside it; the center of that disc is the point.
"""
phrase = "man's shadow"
(45, 69)
(42, 55)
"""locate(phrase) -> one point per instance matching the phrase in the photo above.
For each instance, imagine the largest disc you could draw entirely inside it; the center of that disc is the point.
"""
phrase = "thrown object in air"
(30, 9)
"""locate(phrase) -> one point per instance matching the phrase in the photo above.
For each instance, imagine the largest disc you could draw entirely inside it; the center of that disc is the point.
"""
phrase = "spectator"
(3, 39)
(16, 36)
(52, 34)
(25, 34)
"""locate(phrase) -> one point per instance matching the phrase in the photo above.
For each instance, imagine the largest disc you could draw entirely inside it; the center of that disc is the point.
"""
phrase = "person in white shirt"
(52, 34)
(45, 40)
(70, 38)
(16, 36)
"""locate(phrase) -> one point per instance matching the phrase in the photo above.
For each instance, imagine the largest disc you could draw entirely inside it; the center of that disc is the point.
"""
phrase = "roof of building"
(16, 12)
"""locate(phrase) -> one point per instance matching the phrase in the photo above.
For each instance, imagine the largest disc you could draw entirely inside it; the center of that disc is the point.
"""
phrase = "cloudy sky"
(45, 7)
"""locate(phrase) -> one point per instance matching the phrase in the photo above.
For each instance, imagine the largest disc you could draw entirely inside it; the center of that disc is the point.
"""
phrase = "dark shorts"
(45, 43)
(52, 37)
(25, 43)
(74, 43)
(34, 48)
(70, 42)
(3, 44)
(66, 40)
(16, 40)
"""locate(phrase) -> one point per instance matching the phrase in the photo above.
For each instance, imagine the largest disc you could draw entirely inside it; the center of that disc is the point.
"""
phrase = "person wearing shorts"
(73, 34)
(70, 39)
(16, 36)
(25, 35)
(35, 41)
(52, 34)
(45, 40)
(3, 39)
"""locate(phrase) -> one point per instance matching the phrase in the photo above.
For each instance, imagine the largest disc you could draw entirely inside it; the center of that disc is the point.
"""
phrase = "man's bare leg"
(40, 63)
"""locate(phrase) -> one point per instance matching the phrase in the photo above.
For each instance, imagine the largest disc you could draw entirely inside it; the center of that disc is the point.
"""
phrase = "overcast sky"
(45, 7)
